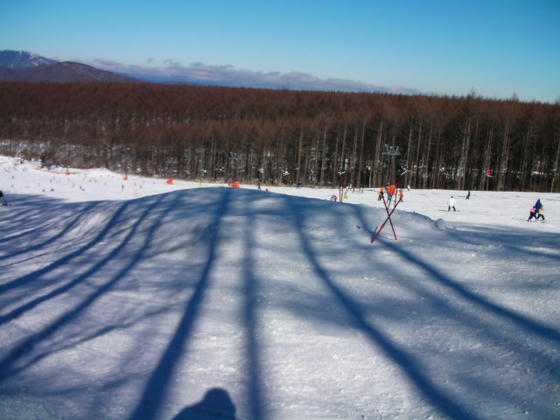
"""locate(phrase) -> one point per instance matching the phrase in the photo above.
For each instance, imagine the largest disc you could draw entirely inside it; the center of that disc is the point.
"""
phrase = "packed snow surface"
(143, 299)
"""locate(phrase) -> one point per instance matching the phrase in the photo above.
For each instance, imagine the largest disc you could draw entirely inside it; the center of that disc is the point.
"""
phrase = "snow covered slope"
(144, 300)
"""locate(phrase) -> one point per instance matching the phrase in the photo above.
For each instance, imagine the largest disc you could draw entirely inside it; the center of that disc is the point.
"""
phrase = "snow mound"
(440, 224)
(255, 305)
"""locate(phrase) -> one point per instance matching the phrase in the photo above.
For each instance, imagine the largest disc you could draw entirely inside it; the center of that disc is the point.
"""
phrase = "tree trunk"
(525, 158)
(361, 155)
(485, 179)
(469, 172)
(334, 163)
(352, 165)
(416, 163)
(342, 166)
(324, 152)
(556, 170)
(299, 152)
(436, 165)
(408, 158)
(426, 159)
(504, 159)
(305, 169)
(377, 163)
(464, 152)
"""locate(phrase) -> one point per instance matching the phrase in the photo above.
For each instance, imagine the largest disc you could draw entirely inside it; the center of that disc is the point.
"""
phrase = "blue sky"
(442, 47)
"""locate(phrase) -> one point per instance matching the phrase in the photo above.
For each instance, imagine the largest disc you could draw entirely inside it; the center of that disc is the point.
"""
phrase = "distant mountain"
(21, 66)
(63, 72)
(22, 59)
(7, 74)
(28, 67)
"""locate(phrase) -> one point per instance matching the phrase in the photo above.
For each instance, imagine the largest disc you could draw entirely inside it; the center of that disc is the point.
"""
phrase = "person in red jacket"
(391, 191)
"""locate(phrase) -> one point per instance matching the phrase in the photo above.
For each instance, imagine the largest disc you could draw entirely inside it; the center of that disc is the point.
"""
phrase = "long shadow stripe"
(67, 258)
(440, 399)
(28, 344)
(60, 234)
(65, 288)
(250, 317)
(511, 340)
(522, 321)
(158, 383)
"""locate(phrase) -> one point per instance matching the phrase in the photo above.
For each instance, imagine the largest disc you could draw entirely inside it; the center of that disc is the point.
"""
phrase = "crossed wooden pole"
(388, 219)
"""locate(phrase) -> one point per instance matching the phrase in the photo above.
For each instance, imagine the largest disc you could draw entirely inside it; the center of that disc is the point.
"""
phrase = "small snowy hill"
(146, 300)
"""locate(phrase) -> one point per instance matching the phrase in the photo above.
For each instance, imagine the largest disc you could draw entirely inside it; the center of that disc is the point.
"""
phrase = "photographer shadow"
(216, 404)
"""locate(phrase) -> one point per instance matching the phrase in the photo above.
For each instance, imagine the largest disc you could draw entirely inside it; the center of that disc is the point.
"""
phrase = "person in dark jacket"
(3, 201)
(534, 212)
(538, 205)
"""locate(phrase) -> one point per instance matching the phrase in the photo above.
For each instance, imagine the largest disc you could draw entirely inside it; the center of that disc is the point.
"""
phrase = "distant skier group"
(536, 212)
(391, 191)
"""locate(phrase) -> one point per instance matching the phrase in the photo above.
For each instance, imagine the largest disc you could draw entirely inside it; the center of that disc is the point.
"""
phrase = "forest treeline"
(283, 136)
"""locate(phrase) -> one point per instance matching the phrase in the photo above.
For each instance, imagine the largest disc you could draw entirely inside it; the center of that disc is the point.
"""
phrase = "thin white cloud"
(172, 63)
(227, 75)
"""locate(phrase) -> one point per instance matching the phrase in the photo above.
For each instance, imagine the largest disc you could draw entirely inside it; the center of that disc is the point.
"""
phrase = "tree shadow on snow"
(522, 243)
(531, 326)
(61, 262)
(157, 386)
(251, 284)
(502, 328)
(14, 245)
(294, 211)
(418, 365)
(8, 363)
(440, 398)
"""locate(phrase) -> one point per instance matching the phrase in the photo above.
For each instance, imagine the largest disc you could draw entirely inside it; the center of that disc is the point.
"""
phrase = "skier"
(532, 214)
(540, 214)
(535, 210)
(3, 201)
(451, 204)
(538, 205)
(468, 195)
